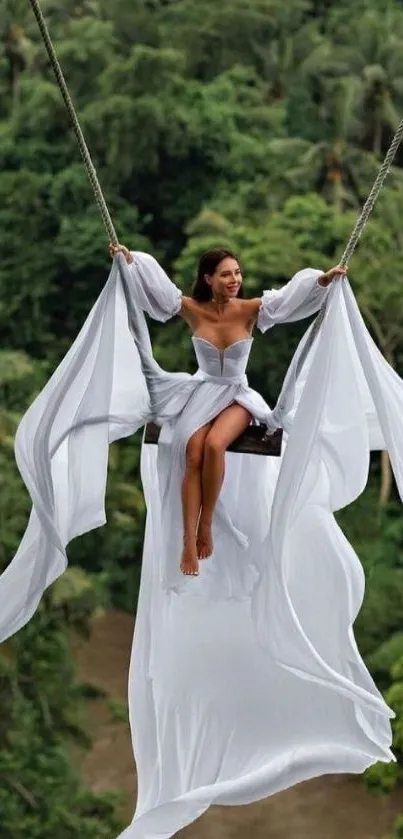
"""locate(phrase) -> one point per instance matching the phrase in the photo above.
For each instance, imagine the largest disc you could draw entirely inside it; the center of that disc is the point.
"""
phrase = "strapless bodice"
(229, 363)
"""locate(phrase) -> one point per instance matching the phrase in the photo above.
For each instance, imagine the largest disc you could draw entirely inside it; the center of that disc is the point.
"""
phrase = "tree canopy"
(255, 124)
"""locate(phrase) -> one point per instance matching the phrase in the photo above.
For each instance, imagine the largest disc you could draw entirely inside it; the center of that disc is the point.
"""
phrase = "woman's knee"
(194, 453)
(214, 445)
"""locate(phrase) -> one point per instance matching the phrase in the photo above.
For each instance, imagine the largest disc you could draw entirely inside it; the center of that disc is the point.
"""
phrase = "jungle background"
(256, 124)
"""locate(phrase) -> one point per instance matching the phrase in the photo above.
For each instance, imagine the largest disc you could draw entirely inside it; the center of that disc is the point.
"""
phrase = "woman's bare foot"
(204, 540)
(189, 563)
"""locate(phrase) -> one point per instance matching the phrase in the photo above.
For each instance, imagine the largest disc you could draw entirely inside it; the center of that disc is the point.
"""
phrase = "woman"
(221, 318)
(245, 679)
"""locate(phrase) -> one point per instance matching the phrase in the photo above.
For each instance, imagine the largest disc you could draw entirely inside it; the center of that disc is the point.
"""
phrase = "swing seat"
(250, 441)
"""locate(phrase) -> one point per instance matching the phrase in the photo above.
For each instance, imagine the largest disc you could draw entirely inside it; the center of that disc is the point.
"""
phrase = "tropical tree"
(372, 54)
(379, 288)
(16, 47)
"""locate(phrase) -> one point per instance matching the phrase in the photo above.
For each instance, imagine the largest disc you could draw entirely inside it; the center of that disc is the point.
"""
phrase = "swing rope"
(82, 145)
(111, 232)
(356, 233)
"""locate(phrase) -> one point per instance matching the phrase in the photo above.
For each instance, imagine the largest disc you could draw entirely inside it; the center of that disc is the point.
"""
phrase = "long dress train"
(247, 679)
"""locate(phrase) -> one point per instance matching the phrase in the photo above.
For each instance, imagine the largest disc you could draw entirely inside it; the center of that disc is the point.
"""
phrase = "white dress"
(246, 679)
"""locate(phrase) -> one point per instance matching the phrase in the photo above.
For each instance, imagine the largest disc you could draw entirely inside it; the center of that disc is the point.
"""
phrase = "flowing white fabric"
(247, 679)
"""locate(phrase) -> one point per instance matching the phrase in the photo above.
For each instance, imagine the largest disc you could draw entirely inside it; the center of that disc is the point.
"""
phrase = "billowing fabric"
(247, 679)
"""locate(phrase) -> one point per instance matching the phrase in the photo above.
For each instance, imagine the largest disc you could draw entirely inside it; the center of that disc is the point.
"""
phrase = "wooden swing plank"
(249, 442)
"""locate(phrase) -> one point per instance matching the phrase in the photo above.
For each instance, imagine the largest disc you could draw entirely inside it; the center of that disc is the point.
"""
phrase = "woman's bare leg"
(191, 499)
(224, 430)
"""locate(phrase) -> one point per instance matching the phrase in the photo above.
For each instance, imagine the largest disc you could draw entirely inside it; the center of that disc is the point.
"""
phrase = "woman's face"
(227, 278)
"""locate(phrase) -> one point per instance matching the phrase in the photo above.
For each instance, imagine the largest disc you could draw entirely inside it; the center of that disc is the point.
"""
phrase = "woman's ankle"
(206, 519)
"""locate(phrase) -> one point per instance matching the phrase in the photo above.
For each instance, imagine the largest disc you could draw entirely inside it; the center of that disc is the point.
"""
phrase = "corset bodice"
(229, 363)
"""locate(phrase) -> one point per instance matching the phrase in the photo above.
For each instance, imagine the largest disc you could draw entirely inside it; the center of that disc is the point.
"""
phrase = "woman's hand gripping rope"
(114, 249)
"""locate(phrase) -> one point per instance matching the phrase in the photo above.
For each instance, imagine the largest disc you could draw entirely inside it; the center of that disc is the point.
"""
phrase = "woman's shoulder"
(252, 305)
(189, 305)
(190, 310)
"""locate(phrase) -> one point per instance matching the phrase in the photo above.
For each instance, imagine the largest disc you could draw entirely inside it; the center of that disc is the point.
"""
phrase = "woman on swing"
(221, 320)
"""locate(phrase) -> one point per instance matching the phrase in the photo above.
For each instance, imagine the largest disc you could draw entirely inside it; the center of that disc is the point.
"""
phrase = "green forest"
(258, 125)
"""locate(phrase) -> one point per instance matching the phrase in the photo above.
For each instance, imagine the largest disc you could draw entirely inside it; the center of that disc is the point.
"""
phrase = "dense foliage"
(257, 124)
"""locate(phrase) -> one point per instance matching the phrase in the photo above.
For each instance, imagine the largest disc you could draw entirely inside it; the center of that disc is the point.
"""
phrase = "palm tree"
(17, 46)
(374, 56)
(378, 286)
(333, 164)
(282, 57)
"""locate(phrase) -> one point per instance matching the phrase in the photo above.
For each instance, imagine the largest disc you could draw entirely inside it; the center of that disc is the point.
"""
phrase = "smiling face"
(219, 276)
(227, 278)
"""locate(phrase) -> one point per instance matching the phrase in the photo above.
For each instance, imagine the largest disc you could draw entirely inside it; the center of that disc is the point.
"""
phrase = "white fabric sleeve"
(299, 298)
(152, 289)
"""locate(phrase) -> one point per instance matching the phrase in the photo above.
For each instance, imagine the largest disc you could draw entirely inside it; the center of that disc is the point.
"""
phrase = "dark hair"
(208, 262)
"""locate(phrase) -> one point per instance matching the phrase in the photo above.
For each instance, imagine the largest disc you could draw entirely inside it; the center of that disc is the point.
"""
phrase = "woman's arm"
(301, 297)
(152, 289)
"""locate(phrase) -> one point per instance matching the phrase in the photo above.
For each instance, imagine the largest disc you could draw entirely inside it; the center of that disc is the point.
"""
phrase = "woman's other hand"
(338, 272)
(114, 249)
